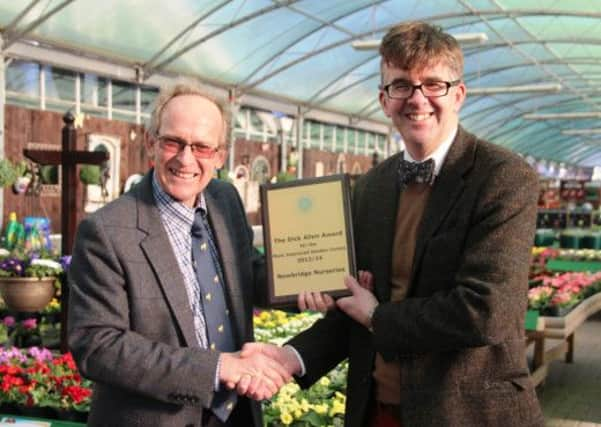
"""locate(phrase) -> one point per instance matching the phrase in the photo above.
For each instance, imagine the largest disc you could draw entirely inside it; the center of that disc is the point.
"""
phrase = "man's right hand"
(254, 375)
(316, 301)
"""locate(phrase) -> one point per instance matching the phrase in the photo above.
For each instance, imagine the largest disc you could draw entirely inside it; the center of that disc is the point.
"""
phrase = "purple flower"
(14, 266)
(11, 354)
(40, 354)
(30, 323)
(65, 261)
(9, 321)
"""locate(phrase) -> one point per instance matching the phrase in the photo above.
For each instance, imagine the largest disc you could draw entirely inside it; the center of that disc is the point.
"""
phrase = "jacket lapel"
(162, 260)
(382, 225)
(222, 233)
(447, 188)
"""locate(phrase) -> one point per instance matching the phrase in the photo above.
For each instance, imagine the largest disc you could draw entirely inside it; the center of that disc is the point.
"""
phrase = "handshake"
(259, 370)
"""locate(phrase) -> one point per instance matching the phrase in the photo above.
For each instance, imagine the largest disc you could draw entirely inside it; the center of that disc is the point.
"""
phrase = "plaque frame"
(275, 298)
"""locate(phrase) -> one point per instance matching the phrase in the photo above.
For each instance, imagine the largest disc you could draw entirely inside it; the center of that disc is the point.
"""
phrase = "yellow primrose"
(321, 409)
(337, 408)
(324, 381)
(286, 418)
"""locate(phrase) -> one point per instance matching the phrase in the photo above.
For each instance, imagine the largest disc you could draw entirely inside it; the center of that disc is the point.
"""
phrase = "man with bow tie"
(445, 228)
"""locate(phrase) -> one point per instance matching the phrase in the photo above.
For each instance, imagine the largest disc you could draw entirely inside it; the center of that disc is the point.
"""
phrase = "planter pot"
(72, 415)
(36, 411)
(9, 409)
(27, 293)
(555, 311)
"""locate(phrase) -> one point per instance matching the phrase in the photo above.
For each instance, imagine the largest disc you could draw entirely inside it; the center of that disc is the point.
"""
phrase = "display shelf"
(555, 340)
(568, 265)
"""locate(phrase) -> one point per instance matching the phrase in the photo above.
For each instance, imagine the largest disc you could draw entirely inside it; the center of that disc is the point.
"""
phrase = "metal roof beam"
(577, 61)
(153, 69)
(9, 39)
(292, 43)
(495, 16)
(148, 64)
(338, 78)
(13, 24)
(520, 51)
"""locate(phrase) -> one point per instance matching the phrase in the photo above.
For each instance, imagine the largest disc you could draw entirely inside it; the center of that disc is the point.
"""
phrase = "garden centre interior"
(301, 78)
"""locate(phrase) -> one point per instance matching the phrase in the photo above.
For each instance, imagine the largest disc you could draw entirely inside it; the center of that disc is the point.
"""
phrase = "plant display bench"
(559, 328)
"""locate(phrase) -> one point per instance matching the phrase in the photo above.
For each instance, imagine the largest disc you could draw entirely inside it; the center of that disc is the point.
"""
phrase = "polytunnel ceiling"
(300, 52)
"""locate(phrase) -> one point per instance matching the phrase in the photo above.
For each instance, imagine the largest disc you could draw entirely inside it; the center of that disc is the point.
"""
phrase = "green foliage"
(223, 175)
(49, 174)
(285, 177)
(8, 173)
(90, 174)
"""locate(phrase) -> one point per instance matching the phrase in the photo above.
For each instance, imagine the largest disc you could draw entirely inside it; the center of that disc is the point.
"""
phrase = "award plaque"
(308, 237)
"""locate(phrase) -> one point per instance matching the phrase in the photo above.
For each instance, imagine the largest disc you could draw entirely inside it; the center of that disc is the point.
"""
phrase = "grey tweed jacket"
(130, 324)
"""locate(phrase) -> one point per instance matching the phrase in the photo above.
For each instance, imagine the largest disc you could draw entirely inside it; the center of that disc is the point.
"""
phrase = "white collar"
(439, 155)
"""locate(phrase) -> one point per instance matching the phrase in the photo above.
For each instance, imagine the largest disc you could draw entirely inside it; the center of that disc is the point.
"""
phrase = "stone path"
(571, 395)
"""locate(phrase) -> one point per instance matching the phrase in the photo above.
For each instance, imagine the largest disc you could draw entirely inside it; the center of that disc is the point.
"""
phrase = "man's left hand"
(360, 305)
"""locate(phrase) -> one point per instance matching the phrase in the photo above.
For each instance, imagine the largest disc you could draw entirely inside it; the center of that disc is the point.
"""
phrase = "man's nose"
(417, 94)
(185, 153)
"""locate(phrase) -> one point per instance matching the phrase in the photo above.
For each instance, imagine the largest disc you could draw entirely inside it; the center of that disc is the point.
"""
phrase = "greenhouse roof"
(532, 67)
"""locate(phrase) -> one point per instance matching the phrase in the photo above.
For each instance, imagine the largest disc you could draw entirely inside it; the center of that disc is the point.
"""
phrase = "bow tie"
(416, 172)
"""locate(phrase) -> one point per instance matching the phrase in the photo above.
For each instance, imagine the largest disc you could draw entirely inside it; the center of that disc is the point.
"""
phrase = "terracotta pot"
(26, 293)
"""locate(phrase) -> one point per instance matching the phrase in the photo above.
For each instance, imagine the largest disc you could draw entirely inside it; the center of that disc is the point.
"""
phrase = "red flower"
(76, 393)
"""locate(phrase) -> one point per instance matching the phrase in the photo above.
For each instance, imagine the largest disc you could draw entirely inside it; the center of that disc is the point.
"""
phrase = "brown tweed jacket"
(130, 324)
(459, 336)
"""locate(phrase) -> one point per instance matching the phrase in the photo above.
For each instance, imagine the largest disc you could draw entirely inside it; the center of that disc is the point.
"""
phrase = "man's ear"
(384, 102)
(460, 94)
(149, 144)
(220, 157)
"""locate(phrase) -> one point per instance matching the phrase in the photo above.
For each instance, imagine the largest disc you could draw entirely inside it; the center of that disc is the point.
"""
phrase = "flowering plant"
(321, 405)
(562, 291)
(37, 377)
(22, 333)
(14, 265)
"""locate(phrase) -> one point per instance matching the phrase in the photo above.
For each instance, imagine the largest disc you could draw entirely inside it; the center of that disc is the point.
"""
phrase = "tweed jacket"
(130, 323)
(459, 335)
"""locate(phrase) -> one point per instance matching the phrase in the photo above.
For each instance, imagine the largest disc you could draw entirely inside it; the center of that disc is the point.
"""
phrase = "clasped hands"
(259, 370)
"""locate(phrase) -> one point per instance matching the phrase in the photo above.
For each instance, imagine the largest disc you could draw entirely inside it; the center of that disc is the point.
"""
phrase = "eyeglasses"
(173, 144)
(404, 90)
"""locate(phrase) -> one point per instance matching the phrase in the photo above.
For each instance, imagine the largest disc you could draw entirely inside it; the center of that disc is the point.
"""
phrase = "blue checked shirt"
(177, 219)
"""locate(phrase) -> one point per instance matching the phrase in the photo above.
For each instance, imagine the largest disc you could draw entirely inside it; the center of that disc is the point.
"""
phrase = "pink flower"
(9, 321)
(30, 323)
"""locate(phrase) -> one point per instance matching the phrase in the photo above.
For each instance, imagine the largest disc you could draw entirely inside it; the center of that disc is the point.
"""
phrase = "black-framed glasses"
(432, 89)
(173, 144)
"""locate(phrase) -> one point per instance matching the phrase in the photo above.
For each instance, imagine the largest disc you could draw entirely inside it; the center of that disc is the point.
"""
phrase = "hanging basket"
(27, 293)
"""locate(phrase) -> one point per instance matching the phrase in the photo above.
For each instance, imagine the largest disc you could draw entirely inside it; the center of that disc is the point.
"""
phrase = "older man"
(163, 282)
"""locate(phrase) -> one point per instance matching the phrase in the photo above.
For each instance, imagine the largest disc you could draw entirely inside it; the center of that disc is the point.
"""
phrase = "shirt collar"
(171, 206)
(439, 155)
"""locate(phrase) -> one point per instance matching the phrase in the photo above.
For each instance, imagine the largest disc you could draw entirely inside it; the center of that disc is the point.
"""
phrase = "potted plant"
(8, 173)
(90, 175)
(28, 284)
(36, 380)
